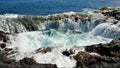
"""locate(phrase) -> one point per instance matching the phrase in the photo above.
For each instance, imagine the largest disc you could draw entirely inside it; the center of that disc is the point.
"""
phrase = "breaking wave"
(61, 31)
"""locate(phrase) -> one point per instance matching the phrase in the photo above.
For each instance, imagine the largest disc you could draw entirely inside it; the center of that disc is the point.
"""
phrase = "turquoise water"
(58, 38)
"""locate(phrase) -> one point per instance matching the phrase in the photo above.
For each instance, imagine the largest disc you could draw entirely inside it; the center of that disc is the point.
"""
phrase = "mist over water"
(45, 7)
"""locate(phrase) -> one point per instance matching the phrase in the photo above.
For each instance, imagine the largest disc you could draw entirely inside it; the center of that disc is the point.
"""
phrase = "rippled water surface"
(45, 7)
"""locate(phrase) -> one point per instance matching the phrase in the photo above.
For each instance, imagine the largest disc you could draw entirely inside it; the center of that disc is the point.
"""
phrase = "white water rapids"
(62, 35)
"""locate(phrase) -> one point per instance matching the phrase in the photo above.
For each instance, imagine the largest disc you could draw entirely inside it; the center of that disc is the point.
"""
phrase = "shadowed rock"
(8, 49)
(109, 56)
(24, 63)
(2, 45)
(67, 53)
(3, 36)
(86, 60)
(110, 49)
(44, 50)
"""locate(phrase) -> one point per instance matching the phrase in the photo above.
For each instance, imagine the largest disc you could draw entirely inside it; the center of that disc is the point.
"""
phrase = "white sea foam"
(9, 16)
(27, 43)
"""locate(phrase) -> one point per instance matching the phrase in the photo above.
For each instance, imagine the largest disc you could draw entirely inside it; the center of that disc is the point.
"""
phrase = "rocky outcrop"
(110, 49)
(114, 13)
(26, 62)
(3, 36)
(94, 56)
(108, 56)
(86, 60)
(67, 53)
(44, 50)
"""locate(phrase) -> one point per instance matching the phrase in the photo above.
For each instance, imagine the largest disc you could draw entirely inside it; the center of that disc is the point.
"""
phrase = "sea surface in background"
(45, 7)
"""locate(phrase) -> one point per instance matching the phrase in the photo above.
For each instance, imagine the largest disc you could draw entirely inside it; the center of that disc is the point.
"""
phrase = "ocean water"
(45, 7)
(38, 39)
(71, 36)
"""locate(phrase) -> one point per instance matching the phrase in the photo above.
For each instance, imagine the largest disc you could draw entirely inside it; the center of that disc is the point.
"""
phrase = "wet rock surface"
(26, 62)
(108, 56)
(110, 49)
(3, 36)
(2, 45)
(67, 53)
(44, 50)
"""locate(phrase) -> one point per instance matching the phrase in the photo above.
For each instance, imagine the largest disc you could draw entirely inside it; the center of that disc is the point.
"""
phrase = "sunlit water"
(45, 7)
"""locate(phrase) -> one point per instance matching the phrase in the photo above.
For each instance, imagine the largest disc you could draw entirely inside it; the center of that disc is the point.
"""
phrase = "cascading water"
(66, 21)
(60, 31)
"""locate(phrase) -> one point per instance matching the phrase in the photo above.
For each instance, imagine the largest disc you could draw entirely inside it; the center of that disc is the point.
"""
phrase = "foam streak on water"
(56, 38)
(25, 44)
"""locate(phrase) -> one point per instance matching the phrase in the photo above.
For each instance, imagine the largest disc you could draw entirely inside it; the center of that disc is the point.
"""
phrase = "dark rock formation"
(113, 13)
(3, 36)
(44, 50)
(29, 62)
(8, 49)
(86, 60)
(67, 53)
(108, 56)
(111, 49)
(2, 45)
(24, 63)
(76, 19)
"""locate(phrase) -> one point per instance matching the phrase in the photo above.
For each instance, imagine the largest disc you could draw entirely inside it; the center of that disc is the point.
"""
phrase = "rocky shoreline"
(108, 56)
(5, 62)
(93, 56)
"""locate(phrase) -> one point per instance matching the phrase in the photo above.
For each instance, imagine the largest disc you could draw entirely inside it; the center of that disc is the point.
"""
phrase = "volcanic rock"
(8, 49)
(2, 45)
(110, 49)
(67, 53)
(44, 50)
(85, 59)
